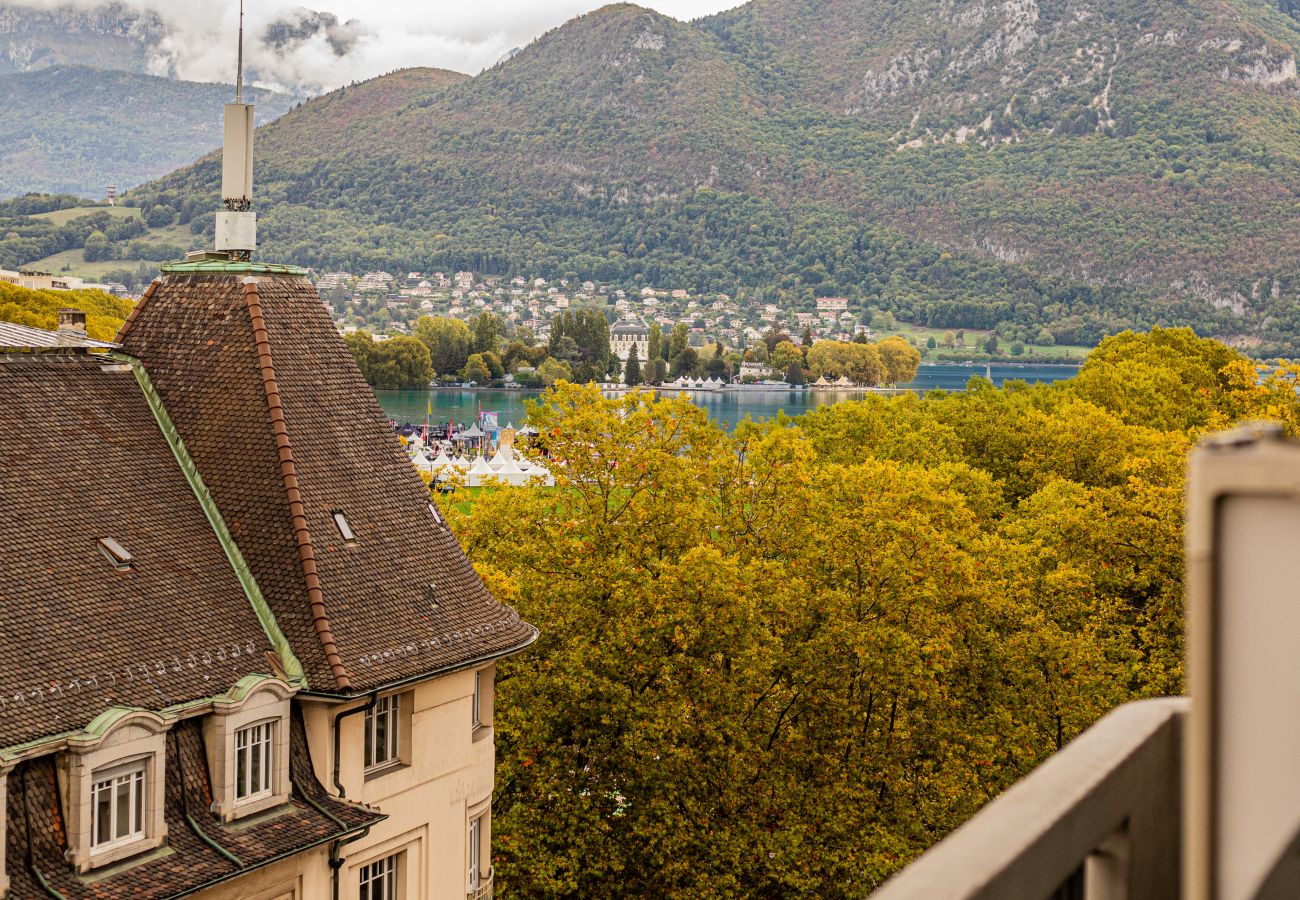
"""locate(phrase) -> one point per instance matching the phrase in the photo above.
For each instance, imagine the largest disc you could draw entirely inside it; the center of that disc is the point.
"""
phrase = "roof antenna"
(237, 223)
(239, 71)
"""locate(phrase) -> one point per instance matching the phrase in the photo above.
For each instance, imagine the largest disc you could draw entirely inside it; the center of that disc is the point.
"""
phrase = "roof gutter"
(433, 673)
(293, 670)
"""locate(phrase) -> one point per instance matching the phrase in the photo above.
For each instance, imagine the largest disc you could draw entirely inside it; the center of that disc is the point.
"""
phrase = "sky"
(361, 38)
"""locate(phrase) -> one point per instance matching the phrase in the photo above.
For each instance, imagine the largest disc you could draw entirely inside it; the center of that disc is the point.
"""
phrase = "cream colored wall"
(447, 770)
(304, 876)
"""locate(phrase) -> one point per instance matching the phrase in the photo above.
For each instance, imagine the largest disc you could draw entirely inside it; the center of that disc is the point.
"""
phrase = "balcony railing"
(484, 889)
(1100, 820)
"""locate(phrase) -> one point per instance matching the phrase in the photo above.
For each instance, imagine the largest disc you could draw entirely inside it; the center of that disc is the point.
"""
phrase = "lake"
(726, 408)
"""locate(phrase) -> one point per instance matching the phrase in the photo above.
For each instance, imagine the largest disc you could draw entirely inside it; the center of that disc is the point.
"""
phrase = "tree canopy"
(784, 660)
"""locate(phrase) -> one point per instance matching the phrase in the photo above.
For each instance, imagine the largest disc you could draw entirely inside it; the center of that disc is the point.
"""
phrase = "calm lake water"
(726, 408)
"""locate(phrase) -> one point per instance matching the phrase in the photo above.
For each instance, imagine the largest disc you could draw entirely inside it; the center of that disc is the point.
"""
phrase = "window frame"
(380, 875)
(137, 771)
(476, 702)
(261, 735)
(391, 714)
(474, 847)
(344, 527)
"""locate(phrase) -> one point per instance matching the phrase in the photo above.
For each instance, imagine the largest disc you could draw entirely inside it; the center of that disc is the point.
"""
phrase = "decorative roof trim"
(289, 476)
(116, 717)
(235, 698)
(227, 267)
(286, 660)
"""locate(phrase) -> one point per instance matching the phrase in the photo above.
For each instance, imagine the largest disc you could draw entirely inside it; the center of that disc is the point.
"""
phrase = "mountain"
(72, 129)
(108, 36)
(1079, 165)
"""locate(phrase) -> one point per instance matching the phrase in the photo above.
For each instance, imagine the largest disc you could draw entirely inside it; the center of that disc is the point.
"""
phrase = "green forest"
(782, 661)
(485, 351)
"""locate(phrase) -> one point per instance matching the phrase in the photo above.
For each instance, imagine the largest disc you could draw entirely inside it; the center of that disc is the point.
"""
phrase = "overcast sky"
(465, 35)
(470, 35)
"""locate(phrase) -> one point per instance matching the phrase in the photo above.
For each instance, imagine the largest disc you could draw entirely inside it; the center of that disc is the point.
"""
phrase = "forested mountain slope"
(1081, 164)
(73, 129)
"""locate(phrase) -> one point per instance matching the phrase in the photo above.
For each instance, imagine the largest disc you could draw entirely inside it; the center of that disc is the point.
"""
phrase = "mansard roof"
(85, 462)
(283, 428)
(37, 837)
(629, 327)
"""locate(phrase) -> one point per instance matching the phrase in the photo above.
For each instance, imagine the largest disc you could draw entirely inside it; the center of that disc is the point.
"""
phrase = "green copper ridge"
(229, 267)
(292, 667)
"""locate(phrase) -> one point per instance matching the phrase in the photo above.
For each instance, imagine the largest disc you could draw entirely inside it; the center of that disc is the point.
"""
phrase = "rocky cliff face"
(991, 71)
(110, 36)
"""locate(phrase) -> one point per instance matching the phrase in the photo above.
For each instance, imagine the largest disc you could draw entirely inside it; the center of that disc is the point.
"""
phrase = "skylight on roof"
(115, 553)
(433, 511)
(341, 522)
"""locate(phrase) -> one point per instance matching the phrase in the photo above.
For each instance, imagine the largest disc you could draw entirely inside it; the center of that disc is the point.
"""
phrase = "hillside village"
(387, 304)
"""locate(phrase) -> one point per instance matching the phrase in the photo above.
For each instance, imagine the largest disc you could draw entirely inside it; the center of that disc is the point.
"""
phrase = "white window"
(477, 710)
(117, 807)
(475, 848)
(344, 527)
(382, 723)
(254, 762)
(379, 879)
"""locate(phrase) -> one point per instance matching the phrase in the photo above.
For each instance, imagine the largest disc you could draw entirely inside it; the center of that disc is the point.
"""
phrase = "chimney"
(72, 321)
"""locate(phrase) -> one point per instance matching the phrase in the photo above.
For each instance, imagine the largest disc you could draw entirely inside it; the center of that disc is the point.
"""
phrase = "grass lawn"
(64, 216)
(73, 262)
(975, 339)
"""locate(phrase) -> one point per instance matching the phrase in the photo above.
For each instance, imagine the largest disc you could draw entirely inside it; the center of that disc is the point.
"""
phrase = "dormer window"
(345, 529)
(247, 744)
(117, 803)
(254, 762)
(116, 554)
(113, 776)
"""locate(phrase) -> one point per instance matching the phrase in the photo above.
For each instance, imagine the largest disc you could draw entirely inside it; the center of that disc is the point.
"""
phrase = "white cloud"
(386, 35)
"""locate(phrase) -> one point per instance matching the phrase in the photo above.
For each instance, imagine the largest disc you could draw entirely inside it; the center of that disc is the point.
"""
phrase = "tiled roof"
(37, 835)
(84, 459)
(23, 337)
(282, 426)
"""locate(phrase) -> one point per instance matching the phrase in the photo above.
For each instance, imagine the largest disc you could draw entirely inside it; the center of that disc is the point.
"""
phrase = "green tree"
(362, 348)
(581, 337)
(96, 248)
(160, 216)
(784, 355)
(448, 341)
(655, 349)
(553, 370)
(632, 371)
(487, 332)
(678, 340)
(686, 363)
(400, 363)
(991, 345)
(476, 370)
(901, 360)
